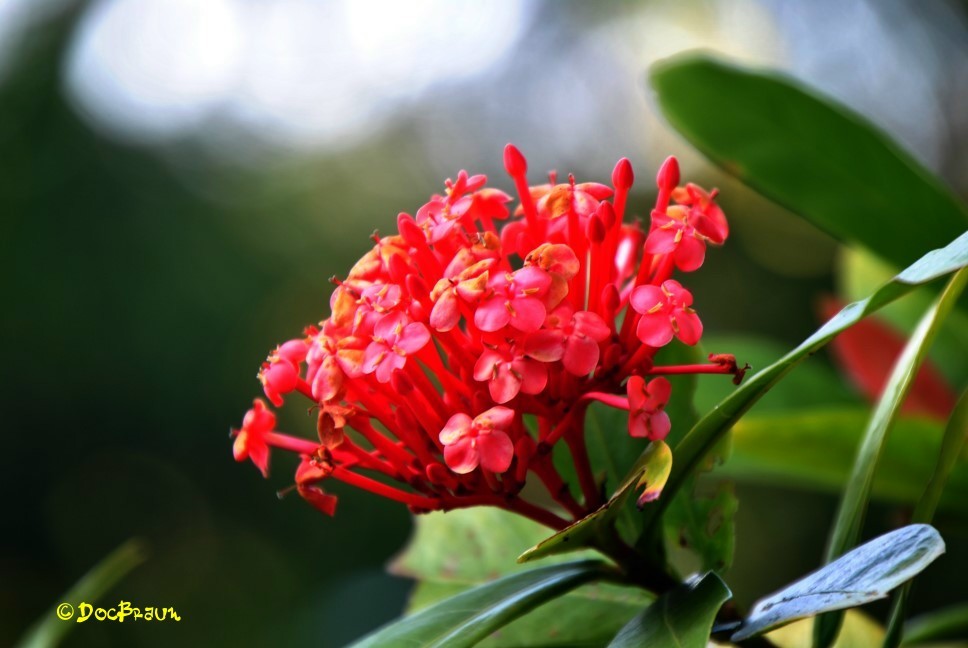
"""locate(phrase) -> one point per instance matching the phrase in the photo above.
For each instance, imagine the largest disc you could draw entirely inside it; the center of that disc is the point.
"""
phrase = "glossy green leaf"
(469, 617)
(826, 441)
(455, 551)
(951, 447)
(682, 617)
(49, 629)
(853, 503)
(814, 157)
(648, 475)
(864, 574)
(704, 436)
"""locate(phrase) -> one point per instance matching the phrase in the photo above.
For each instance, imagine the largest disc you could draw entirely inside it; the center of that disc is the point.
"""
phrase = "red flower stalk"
(457, 354)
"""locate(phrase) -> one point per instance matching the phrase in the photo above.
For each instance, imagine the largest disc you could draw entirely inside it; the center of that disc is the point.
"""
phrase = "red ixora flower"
(458, 353)
(482, 441)
(647, 401)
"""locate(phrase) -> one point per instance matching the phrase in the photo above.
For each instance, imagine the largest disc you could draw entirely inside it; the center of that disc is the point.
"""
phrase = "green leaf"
(826, 442)
(951, 447)
(682, 617)
(49, 629)
(946, 624)
(650, 472)
(810, 155)
(455, 551)
(864, 574)
(469, 617)
(705, 525)
(853, 504)
(704, 436)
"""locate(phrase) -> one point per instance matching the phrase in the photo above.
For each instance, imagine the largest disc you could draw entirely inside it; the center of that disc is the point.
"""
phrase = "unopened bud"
(514, 161)
(667, 178)
(622, 176)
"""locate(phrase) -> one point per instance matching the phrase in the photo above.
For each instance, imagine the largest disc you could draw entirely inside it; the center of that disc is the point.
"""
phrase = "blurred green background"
(178, 180)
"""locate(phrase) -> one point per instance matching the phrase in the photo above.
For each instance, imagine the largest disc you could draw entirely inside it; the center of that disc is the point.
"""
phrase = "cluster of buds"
(458, 353)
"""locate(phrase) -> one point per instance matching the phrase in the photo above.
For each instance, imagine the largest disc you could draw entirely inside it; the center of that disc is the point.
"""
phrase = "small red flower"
(705, 215)
(394, 338)
(509, 371)
(647, 401)
(516, 301)
(250, 441)
(666, 313)
(482, 441)
(570, 337)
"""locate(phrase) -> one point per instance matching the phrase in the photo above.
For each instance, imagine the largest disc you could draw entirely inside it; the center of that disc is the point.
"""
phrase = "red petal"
(456, 428)
(659, 426)
(661, 240)
(528, 314)
(485, 365)
(644, 298)
(462, 455)
(581, 356)
(492, 315)
(499, 418)
(690, 328)
(504, 386)
(534, 375)
(546, 345)
(690, 254)
(655, 330)
(445, 314)
(323, 502)
(496, 451)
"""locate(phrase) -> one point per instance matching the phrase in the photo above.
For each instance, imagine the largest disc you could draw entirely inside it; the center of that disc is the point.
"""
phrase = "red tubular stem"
(383, 490)
(672, 370)
(292, 444)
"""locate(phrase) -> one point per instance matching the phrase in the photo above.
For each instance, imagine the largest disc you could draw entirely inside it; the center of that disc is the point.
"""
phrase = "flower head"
(457, 352)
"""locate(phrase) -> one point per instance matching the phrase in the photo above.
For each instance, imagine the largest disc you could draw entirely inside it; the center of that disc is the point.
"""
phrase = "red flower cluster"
(458, 353)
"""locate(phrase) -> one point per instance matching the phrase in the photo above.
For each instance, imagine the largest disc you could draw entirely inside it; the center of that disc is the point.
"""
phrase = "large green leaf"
(455, 551)
(809, 154)
(703, 437)
(865, 574)
(682, 617)
(853, 503)
(825, 442)
(951, 447)
(50, 629)
(469, 617)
